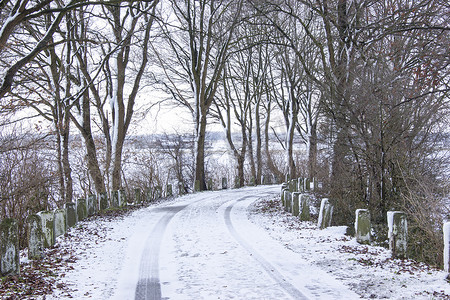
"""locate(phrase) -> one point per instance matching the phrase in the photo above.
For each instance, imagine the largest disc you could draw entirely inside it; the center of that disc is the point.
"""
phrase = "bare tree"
(15, 14)
(199, 39)
(74, 40)
(130, 30)
(26, 180)
(395, 49)
(178, 147)
(233, 108)
(297, 38)
(46, 86)
(81, 114)
(393, 119)
(137, 14)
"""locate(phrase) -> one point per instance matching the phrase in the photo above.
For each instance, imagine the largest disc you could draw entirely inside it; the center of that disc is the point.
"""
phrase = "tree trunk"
(312, 153)
(269, 161)
(61, 121)
(62, 188)
(200, 153)
(341, 178)
(117, 167)
(65, 159)
(250, 146)
(240, 168)
(91, 152)
(93, 166)
(258, 144)
(119, 122)
(293, 110)
(290, 152)
(340, 175)
(122, 115)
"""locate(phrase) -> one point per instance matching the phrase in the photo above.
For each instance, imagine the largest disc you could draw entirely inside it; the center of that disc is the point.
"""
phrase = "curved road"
(204, 247)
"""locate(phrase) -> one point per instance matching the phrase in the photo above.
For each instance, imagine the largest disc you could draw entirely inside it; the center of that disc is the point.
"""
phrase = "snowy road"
(233, 244)
(148, 286)
(204, 247)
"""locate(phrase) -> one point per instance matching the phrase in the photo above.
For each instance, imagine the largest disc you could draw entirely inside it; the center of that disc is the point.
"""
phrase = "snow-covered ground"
(368, 270)
(234, 244)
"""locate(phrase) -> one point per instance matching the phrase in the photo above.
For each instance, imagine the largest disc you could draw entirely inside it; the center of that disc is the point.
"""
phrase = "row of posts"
(44, 227)
(295, 199)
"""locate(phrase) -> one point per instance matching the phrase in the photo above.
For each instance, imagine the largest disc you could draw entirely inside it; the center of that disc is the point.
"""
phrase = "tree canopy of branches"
(199, 39)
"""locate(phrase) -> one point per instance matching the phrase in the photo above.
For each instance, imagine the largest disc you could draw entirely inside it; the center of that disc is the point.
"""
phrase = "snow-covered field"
(235, 244)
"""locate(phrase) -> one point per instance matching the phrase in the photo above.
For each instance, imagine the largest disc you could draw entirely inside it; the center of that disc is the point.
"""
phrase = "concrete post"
(71, 214)
(210, 184)
(398, 233)
(35, 237)
(325, 214)
(158, 191)
(291, 186)
(103, 200)
(307, 184)
(122, 198)
(180, 189)
(295, 204)
(81, 209)
(169, 192)
(224, 183)
(47, 228)
(300, 185)
(9, 247)
(137, 196)
(319, 185)
(59, 222)
(282, 196)
(197, 186)
(237, 183)
(447, 247)
(115, 199)
(314, 184)
(92, 205)
(295, 185)
(304, 208)
(148, 196)
(287, 201)
(362, 226)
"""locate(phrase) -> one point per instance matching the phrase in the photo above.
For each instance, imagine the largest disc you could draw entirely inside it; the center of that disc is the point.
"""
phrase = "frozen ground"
(367, 270)
(234, 244)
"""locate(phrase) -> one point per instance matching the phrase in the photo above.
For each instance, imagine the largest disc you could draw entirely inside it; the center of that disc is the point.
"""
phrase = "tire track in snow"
(149, 286)
(270, 270)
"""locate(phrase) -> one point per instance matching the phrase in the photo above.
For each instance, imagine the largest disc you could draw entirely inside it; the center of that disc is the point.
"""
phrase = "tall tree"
(47, 88)
(81, 114)
(299, 39)
(125, 45)
(131, 28)
(233, 108)
(199, 39)
(16, 14)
